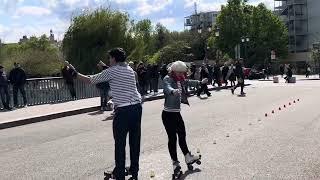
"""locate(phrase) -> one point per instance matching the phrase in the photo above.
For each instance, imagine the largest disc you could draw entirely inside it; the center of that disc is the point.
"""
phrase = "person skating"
(240, 76)
(128, 110)
(174, 93)
(232, 76)
(204, 74)
(289, 73)
(308, 71)
(281, 70)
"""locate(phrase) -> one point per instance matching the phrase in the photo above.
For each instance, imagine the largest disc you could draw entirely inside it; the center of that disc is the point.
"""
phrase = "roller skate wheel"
(198, 162)
(190, 167)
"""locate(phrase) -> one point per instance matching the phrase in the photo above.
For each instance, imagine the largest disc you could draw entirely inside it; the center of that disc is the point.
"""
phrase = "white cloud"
(32, 10)
(145, 7)
(15, 31)
(268, 3)
(167, 21)
(209, 5)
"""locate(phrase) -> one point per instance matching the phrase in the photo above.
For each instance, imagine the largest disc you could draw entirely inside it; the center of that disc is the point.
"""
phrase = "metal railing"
(52, 90)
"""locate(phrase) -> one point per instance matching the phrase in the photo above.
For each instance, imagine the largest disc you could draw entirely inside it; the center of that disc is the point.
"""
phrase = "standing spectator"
(155, 78)
(232, 76)
(225, 71)
(104, 88)
(128, 110)
(18, 79)
(204, 74)
(4, 90)
(210, 71)
(163, 71)
(142, 72)
(289, 73)
(308, 71)
(67, 74)
(132, 65)
(240, 76)
(281, 70)
(149, 78)
(217, 75)
(193, 70)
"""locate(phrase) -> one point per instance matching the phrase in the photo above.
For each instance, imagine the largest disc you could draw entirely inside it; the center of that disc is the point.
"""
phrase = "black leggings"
(174, 125)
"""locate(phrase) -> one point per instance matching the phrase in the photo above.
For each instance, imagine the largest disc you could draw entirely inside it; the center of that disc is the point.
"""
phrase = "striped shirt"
(122, 84)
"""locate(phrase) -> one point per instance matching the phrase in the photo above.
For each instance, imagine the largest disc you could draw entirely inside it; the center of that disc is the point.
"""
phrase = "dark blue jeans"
(5, 97)
(127, 120)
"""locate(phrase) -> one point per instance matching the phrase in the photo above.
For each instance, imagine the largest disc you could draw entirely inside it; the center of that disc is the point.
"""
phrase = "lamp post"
(217, 34)
(245, 41)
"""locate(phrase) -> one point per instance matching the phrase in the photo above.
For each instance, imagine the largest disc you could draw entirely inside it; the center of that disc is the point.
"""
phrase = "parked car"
(246, 72)
(255, 74)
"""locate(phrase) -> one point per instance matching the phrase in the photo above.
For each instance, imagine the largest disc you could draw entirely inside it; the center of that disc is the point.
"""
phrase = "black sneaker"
(232, 90)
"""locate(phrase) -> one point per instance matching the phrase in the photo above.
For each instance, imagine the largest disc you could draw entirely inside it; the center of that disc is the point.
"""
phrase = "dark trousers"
(20, 88)
(104, 98)
(240, 84)
(5, 97)
(127, 120)
(72, 90)
(155, 84)
(203, 88)
(174, 126)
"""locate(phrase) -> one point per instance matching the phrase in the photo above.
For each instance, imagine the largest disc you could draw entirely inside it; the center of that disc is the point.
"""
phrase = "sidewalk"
(46, 112)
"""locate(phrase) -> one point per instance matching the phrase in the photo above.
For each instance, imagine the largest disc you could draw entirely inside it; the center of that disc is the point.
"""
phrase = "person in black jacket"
(142, 73)
(163, 71)
(217, 75)
(289, 73)
(204, 74)
(67, 74)
(4, 92)
(155, 78)
(225, 71)
(18, 79)
(240, 76)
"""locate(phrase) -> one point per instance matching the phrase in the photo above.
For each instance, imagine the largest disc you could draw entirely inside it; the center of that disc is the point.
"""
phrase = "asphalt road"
(284, 145)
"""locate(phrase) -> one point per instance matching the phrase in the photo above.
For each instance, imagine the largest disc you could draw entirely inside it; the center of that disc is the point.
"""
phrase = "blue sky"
(37, 17)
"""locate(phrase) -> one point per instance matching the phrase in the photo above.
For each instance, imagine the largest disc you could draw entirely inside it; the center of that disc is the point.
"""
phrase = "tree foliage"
(91, 34)
(264, 29)
(37, 56)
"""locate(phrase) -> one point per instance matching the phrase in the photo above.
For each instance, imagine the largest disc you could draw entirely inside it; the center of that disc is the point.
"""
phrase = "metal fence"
(52, 90)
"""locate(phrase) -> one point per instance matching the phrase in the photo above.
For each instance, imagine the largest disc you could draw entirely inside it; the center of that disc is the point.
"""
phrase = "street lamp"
(245, 40)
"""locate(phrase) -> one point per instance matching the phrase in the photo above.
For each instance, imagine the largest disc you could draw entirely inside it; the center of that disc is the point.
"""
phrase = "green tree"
(177, 51)
(265, 30)
(37, 56)
(91, 34)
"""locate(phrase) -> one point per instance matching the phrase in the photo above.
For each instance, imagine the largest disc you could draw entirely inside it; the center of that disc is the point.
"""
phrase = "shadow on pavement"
(188, 172)
(109, 118)
(96, 113)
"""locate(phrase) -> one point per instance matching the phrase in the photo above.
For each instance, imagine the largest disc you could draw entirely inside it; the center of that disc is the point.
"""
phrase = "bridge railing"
(52, 90)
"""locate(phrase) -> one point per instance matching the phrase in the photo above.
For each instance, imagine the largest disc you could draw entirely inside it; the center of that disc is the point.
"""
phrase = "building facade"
(202, 20)
(302, 18)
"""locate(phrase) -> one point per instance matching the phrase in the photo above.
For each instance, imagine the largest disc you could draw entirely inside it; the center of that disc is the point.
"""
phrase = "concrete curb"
(21, 122)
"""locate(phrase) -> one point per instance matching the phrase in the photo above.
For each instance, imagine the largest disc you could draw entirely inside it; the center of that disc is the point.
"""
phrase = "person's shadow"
(188, 172)
(96, 113)
(109, 118)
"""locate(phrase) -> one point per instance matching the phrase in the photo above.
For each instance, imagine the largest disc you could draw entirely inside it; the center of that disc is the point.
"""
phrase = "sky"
(37, 17)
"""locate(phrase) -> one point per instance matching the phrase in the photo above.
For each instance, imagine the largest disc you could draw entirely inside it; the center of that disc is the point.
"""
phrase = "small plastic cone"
(214, 142)
(152, 175)
(279, 108)
(289, 104)
(198, 151)
(272, 111)
(284, 106)
(266, 115)
(294, 101)
(228, 135)
(298, 99)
